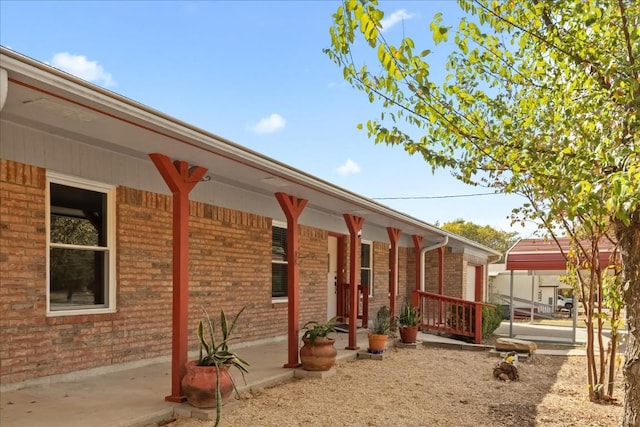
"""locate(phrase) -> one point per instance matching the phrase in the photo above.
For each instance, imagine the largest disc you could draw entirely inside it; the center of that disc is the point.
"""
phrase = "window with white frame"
(81, 246)
(366, 262)
(397, 272)
(279, 264)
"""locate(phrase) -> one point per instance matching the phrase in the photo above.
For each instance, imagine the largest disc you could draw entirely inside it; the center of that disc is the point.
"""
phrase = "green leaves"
(440, 33)
(533, 99)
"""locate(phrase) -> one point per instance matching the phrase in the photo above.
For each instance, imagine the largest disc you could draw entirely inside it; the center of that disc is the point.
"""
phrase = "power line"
(436, 197)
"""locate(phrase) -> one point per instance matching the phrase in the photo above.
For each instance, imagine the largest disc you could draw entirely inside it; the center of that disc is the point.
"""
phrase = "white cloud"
(270, 124)
(394, 18)
(350, 167)
(80, 66)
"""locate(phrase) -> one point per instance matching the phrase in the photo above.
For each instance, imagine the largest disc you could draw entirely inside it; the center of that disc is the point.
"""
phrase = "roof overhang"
(52, 101)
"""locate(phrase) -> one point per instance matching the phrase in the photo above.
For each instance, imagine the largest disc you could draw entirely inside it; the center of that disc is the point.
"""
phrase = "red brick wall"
(432, 263)
(380, 277)
(230, 266)
(455, 274)
(410, 269)
(25, 338)
(313, 274)
(406, 276)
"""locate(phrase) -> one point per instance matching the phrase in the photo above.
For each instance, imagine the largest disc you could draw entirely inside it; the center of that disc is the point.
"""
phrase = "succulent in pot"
(318, 352)
(409, 320)
(380, 330)
(208, 381)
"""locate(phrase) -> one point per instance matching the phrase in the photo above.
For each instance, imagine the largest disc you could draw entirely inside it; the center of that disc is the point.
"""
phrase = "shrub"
(491, 318)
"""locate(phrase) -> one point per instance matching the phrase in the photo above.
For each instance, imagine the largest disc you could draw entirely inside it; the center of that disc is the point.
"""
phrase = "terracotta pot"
(408, 334)
(377, 343)
(199, 385)
(319, 355)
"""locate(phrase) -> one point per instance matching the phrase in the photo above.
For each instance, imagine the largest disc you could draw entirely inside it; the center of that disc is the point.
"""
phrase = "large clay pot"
(199, 385)
(319, 355)
(377, 343)
(408, 334)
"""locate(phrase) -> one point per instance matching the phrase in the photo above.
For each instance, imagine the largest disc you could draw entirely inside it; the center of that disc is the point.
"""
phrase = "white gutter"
(4, 87)
(423, 252)
(41, 72)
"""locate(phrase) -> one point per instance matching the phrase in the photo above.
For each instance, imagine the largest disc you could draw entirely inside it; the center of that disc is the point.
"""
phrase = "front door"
(471, 283)
(332, 277)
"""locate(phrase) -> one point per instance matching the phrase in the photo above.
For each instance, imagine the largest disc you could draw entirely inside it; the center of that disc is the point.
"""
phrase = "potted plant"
(317, 352)
(380, 330)
(208, 382)
(408, 320)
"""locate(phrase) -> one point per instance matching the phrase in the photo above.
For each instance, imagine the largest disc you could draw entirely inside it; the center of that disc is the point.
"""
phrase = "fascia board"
(82, 89)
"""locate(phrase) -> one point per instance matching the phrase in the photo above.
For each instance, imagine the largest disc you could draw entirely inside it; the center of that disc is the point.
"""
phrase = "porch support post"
(394, 235)
(354, 224)
(417, 246)
(292, 208)
(180, 179)
(478, 299)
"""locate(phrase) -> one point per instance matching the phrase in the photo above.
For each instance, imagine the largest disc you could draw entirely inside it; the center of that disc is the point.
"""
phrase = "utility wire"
(436, 197)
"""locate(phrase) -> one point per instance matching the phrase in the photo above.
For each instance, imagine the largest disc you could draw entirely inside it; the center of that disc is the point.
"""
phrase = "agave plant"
(217, 354)
(409, 316)
(382, 321)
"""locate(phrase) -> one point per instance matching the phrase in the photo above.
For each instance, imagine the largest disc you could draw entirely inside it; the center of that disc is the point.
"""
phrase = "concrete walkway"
(135, 397)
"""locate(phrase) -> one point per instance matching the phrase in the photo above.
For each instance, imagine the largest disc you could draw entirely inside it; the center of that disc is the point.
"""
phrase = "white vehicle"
(565, 302)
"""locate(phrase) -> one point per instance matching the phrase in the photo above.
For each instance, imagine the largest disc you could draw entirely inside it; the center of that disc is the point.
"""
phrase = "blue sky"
(252, 72)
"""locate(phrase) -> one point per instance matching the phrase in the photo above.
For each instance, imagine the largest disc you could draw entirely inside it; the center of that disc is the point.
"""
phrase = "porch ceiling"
(51, 101)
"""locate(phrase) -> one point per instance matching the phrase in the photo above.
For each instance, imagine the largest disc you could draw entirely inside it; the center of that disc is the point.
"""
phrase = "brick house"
(118, 222)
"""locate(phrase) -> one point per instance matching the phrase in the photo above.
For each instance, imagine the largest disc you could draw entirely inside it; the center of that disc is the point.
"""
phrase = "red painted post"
(394, 235)
(478, 334)
(180, 179)
(292, 208)
(478, 298)
(354, 224)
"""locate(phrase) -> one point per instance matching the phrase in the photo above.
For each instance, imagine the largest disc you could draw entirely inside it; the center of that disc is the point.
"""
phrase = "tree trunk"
(628, 237)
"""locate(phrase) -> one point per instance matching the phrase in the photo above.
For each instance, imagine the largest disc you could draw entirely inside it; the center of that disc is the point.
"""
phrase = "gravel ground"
(428, 387)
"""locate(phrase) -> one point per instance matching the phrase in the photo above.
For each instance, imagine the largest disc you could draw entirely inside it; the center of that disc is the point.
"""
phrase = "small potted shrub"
(318, 352)
(379, 331)
(409, 320)
(208, 383)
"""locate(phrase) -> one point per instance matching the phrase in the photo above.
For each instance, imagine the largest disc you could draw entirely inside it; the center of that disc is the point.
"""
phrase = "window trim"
(370, 268)
(109, 191)
(397, 272)
(285, 299)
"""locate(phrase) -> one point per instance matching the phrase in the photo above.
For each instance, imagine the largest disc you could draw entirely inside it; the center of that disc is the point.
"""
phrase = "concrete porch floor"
(135, 397)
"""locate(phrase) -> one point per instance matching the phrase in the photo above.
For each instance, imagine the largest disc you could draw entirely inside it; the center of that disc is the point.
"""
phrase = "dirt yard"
(428, 387)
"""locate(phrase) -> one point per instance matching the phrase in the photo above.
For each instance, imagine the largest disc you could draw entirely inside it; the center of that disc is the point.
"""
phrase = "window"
(365, 266)
(81, 242)
(397, 256)
(279, 266)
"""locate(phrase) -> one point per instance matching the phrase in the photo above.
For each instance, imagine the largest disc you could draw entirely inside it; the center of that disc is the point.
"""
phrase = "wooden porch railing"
(343, 303)
(450, 315)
